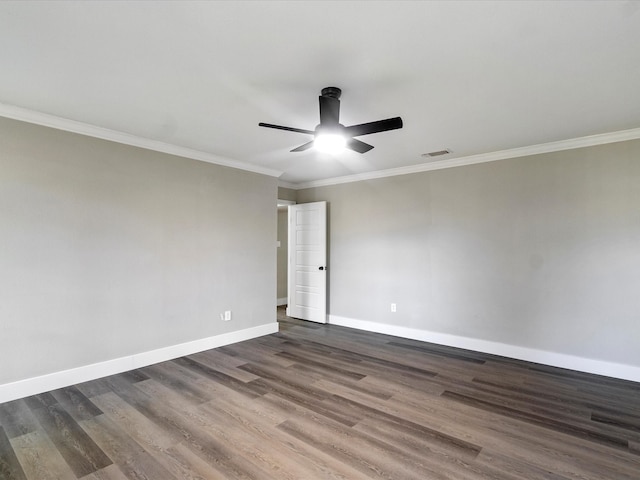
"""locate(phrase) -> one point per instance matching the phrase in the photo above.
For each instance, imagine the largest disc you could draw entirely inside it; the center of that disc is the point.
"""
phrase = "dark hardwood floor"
(316, 402)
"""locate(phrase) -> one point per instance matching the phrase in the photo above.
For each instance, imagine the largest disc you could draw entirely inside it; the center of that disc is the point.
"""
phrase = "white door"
(307, 272)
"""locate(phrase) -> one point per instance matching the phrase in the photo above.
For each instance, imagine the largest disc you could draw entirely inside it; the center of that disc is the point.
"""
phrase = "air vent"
(436, 154)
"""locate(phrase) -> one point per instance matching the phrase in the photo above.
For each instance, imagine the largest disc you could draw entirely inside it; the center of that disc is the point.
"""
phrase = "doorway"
(283, 251)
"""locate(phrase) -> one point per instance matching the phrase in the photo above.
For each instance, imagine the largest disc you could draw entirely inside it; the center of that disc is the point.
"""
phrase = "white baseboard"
(581, 364)
(282, 301)
(53, 381)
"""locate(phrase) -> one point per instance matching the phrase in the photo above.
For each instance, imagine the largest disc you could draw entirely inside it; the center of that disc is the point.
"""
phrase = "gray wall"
(287, 194)
(108, 250)
(540, 252)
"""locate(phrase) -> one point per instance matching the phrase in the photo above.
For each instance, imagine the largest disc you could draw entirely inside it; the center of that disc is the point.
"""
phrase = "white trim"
(282, 301)
(46, 120)
(285, 184)
(581, 364)
(59, 123)
(52, 381)
(589, 141)
(285, 203)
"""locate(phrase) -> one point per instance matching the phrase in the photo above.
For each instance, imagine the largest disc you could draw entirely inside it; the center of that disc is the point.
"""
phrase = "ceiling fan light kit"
(330, 142)
(330, 135)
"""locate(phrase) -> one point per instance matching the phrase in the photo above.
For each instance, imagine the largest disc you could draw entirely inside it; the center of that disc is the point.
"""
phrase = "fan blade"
(303, 147)
(358, 146)
(290, 129)
(373, 127)
(329, 110)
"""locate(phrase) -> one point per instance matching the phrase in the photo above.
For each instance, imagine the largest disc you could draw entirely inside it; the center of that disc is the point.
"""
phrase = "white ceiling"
(473, 77)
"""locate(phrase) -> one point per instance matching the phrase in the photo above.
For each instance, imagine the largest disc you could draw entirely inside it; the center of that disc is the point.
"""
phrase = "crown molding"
(589, 141)
(285, 184)
(59, 123)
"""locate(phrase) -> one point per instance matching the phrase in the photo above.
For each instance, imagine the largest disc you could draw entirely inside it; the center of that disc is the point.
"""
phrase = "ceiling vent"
(436, 154)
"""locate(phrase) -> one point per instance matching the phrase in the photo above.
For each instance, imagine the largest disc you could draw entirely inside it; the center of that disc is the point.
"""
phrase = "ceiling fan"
(330, 135)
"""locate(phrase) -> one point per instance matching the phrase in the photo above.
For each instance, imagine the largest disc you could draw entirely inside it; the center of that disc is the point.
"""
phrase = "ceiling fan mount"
(334, 92)
(330, 130)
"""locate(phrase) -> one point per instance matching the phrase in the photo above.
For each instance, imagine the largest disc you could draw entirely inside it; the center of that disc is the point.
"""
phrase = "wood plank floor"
(316, 402)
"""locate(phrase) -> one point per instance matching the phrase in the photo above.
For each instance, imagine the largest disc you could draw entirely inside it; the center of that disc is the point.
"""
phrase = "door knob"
(321, 268)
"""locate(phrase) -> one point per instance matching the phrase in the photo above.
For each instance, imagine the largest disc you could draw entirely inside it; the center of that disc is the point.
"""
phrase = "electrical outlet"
(393, 307)
(227, 315)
